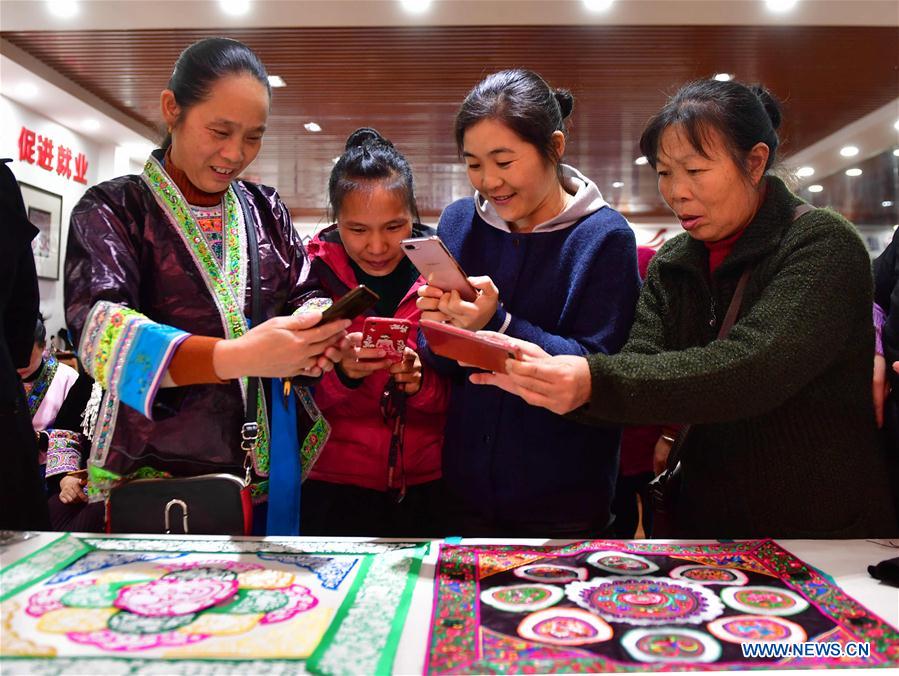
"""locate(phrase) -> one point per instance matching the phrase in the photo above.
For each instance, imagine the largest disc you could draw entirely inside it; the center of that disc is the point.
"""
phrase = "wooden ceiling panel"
(408, 81)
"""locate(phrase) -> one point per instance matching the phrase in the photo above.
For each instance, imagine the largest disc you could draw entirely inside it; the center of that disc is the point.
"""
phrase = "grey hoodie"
(585, 200)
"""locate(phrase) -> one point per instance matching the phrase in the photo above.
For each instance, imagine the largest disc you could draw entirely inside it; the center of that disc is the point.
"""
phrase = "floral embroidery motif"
(63, 452)
(41, 385)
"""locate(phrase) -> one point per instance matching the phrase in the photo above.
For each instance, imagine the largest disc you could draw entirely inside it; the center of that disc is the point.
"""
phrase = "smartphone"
(388, 334)
(437, 265)
(485, 352)
(351, 304)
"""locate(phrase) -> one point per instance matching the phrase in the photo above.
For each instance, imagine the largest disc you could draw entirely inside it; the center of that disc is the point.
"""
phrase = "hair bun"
(366, 136)
(771, 104)
(565, 100)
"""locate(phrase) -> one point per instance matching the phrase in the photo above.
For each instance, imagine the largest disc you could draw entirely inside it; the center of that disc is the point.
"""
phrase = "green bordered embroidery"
(41, 564)
(362, 638)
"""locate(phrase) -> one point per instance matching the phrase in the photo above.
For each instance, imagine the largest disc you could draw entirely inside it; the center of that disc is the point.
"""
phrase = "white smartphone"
(437, 265)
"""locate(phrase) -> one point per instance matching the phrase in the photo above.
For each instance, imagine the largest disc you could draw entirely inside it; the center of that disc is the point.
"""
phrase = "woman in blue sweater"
(556, 266)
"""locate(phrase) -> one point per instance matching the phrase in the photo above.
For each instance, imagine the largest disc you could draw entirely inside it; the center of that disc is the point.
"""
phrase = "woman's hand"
(407, 373)
(442, 306)
(71, 489)
(281, 347)
(360, 362)
(560, 384)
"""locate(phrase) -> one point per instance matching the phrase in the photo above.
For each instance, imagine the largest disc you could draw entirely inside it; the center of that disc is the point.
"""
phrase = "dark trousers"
(624, 506)
(343, 510)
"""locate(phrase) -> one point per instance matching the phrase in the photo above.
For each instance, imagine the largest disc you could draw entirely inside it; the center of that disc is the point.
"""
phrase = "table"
(845, 561)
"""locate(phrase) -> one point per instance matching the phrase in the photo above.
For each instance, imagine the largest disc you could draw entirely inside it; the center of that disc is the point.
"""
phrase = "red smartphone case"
(386, 333)
(464, 346)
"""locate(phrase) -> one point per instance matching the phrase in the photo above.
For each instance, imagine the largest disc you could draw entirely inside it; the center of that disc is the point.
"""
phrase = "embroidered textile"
(63, 452)
(631, 606)
(210, 221)
(101, 604)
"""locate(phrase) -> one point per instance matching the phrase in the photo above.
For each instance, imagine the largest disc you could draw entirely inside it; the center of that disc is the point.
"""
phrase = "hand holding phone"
(484, 352)
(437, 265)
(350, 305)
(388, 334)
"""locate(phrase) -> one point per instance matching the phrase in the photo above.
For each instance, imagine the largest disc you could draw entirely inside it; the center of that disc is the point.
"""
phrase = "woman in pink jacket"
(379, 473)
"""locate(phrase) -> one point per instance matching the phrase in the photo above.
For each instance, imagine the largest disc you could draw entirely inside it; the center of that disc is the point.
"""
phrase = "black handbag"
(209, 504)
(665, 489)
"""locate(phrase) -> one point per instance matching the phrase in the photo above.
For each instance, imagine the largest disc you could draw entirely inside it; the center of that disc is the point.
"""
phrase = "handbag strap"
(249, 432)
(674, 456)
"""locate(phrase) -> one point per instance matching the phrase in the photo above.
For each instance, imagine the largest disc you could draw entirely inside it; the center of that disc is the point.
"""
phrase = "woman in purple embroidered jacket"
(158, 293)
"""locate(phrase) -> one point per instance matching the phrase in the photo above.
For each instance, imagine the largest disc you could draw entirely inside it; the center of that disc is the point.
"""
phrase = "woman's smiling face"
(519, 182)
(216, 139)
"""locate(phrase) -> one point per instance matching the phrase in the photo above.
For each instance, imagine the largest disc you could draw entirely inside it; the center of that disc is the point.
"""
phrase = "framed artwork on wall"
(44, 210)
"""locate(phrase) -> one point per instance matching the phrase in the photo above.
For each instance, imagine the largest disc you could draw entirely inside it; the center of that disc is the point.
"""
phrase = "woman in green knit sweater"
(784, 441)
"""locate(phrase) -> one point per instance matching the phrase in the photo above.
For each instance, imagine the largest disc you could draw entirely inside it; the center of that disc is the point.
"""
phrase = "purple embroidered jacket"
(122, 248)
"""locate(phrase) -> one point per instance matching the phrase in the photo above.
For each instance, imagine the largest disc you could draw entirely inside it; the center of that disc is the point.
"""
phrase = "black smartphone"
(351, 304)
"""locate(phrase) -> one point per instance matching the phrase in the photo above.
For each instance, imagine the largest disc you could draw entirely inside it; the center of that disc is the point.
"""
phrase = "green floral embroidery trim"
(228, 289)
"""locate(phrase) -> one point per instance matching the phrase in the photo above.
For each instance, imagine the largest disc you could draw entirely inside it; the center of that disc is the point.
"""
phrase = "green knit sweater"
(784, 442)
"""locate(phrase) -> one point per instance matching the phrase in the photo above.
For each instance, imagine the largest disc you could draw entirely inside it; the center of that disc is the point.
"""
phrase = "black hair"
(40, 331)
(744, 115)
(202, 64)
(367, 157)
(524, 102)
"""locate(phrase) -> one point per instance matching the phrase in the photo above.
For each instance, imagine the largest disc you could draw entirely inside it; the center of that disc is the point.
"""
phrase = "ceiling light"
(64, 9)
(781, 5)
(416, 6)
(848, 151)
(90, 124)
(855, 171)
(335, 160)
(598, 5)
(641, 160)
(276, 81)
(723, 77)
(235, 7)
(312, 126)
(618, 184)
(805, 172)
(886, 204)
(896, 152)
(26, 90)
(816, 188)
(896, 125)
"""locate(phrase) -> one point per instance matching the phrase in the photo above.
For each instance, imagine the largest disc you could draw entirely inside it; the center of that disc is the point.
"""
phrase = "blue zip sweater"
(571, 291)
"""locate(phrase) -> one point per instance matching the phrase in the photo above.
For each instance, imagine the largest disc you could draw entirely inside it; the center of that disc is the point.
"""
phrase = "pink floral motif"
(171, 596)
(48, 599)
(301, 600)
(113, 640)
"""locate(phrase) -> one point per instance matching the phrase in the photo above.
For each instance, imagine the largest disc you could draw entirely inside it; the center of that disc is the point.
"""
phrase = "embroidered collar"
(227, 284)
(41, 385)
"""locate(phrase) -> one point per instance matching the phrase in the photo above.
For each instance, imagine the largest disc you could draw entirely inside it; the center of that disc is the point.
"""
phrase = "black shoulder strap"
(250, 429)
(729, 319)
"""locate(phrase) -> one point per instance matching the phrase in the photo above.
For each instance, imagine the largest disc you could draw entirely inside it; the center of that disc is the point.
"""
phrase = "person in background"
(158, 294)
(886, 354)
(23, 503)
(555, 265)
(784, 441)
(57, 397)
(380, 469)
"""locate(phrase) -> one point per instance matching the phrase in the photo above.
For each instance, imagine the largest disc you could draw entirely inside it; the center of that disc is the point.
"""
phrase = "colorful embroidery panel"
(41, 385)
(63, 452)
(629, 606)
(137, 600)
